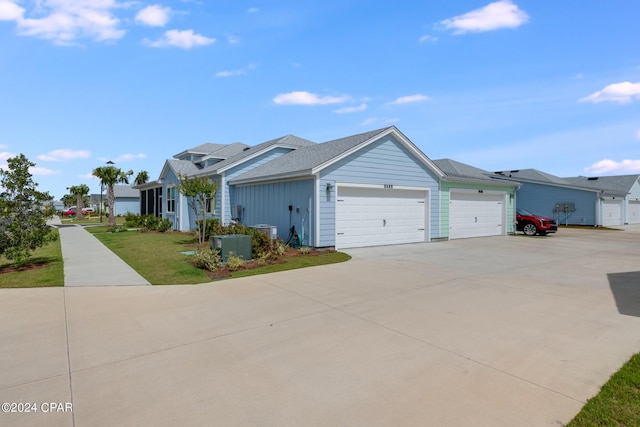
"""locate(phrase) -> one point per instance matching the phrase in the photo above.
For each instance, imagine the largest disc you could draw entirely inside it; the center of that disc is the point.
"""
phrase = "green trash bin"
(239, 244)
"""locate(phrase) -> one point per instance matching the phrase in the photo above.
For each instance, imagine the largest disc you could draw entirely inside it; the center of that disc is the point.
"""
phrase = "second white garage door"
(373, 216)
(611, 212)
(633, 212)
(475, 214)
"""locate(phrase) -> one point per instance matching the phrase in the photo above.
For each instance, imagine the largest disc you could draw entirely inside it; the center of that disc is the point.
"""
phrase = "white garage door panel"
(371, 217)
(633, 212)
(612, 212)
(475, 215)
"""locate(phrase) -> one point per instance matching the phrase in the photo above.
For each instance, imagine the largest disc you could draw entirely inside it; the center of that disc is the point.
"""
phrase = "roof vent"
(515, 171)
(593, 178)
(247, 148)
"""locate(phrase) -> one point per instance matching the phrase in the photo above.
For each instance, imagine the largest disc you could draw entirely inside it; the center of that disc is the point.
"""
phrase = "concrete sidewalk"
(87, 262)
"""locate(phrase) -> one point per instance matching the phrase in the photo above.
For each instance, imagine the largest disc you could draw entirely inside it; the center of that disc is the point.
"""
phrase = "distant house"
(616, 210)
(569, 201)
(127, 200)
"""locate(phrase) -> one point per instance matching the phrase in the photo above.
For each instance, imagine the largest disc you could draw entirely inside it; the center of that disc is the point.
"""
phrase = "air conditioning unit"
(269, 230)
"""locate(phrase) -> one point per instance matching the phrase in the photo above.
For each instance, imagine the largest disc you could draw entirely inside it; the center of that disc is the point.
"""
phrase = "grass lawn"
(158, 257)
(43, 268)
(93, 219)
(155, 256)
(617, 403)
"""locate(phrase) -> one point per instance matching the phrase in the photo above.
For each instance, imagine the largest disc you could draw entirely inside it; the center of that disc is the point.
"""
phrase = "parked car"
(532, 224)
(87, 211)
(70, 212)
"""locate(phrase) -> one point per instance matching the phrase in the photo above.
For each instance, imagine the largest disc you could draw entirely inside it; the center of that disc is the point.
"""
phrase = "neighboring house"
(369, 189)
(616, 210)
(569, 202)
(127, 200)
(474, 202)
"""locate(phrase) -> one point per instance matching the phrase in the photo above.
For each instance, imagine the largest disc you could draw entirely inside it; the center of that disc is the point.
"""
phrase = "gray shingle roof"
(182, 167)
(300, 162)
(227, 151)
(620, 183)
(534, 175)
(291, 141)
(454, 169)
(125, 191)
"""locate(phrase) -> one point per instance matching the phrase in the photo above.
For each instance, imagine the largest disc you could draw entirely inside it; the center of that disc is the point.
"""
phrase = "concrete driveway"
(486, 332)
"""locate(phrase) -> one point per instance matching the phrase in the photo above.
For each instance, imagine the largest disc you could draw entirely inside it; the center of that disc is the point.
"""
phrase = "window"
(171, 199)
(210, 205)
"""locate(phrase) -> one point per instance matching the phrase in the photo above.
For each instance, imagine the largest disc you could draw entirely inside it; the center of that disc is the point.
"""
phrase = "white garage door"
(373, 217)
(612, 212)
(475, 215)
(633, 212)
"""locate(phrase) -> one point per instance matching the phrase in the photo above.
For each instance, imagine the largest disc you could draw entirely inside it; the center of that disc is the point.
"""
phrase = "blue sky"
(499, 85)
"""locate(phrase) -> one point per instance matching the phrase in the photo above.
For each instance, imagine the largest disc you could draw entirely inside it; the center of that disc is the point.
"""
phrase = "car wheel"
(530, 229)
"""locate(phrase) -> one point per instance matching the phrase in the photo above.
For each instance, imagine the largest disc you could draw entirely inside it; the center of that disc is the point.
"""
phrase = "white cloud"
(355, 109)
(410, 99)
(154, 16)
(183, 39)
(4, 156)
(494, 16)
(10, 11)
(65, 21)
(306, 98)
(428, 38)
(64, 154)
(622, 93)
(240, 72)
(38, 171)
(607, 166)
(129, 157)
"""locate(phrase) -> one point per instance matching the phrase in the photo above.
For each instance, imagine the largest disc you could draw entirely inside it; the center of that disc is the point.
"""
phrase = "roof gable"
(312, 159)
(288, 141)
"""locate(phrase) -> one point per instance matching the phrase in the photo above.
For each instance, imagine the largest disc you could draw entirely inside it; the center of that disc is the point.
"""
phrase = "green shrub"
(234, 262)
(206, 258)
(164, 224)
(280, 247)
(305, 250)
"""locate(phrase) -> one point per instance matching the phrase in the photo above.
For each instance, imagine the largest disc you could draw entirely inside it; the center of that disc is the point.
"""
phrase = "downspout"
(223, 194)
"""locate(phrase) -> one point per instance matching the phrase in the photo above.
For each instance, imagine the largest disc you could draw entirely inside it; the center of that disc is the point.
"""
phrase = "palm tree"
(79, 191)
(141, 178)
(110, 176)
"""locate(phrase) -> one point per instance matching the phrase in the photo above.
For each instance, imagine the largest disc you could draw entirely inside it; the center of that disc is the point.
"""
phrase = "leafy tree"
(23, 216)
(110, 176)
(199, 191)
(79, 192)
(141, 178)
(68, 200)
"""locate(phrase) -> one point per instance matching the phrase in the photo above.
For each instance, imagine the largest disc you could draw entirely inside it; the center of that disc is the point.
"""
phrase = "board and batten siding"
(382, 162)
(269, 204)
(445, 197)
(229, 196)
(541, 200)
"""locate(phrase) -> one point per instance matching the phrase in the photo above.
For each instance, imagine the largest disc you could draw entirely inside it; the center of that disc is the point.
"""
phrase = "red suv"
(532, 224)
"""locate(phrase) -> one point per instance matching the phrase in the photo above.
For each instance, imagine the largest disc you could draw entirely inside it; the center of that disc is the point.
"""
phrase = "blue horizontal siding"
(542, 199)
(269, 204)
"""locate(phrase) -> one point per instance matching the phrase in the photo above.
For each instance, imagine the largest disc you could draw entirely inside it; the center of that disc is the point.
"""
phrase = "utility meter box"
(239, 244)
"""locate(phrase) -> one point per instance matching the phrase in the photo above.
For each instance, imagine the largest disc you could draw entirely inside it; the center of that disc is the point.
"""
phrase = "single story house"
(368, 189)
(474, 202)
(616, 210)
(570, 202)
